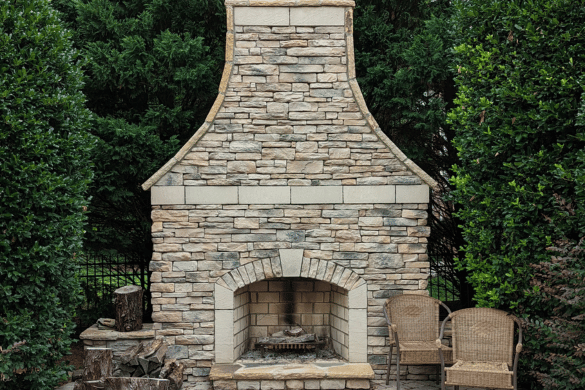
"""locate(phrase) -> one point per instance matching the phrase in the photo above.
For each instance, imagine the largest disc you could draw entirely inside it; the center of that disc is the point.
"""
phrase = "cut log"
(128, 302)
(79, 385)
(94, 385)
(294, 332)
(149, 357)
(97, 364)
(158, 356)
(136, 384)
(175, 377)
(167, 367)
(130, 355)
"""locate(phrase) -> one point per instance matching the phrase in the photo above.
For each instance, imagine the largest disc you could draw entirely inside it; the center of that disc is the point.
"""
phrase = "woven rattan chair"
(483, 349)
(413, 325)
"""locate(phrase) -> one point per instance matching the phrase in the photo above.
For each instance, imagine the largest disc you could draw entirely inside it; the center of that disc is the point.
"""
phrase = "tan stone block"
(357, 384)
(304, 167)
(167, 316)
(412, 248)
(246, 223)
(162, 287)
(241, 167)
(294, 384)
(156, 227)
(167, 247)
(170, 215)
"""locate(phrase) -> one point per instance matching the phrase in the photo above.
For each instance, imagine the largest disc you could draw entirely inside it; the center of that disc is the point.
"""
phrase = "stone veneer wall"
(289, 159)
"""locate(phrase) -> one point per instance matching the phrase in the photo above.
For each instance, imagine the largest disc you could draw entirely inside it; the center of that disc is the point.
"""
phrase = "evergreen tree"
(405, 68)
(154, 67)
(44, 175)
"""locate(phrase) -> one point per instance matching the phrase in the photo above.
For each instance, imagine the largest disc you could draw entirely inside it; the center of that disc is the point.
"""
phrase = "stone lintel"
(289, 16)
(369, 194)
(264, 195)
(168, 195)
(211, 195)
(412, 194)
(316, 195)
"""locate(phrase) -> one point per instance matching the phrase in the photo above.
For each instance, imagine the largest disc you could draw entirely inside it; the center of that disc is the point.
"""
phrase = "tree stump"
(97, 364)
(136, 384)
(128, 301)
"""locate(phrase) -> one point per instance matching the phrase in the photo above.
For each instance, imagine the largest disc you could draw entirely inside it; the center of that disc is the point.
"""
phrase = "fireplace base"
(308, 376)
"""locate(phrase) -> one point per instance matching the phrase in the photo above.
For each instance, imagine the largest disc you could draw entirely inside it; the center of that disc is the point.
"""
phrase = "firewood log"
(97, 364)
(130, 355)
(136, 384)
(94, 385)
(128, 302)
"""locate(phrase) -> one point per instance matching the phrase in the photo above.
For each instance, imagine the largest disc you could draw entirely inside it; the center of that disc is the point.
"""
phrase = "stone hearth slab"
(290, 371)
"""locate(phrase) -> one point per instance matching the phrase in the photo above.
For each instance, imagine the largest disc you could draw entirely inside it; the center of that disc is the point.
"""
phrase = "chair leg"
(398, 372)
(389, 364)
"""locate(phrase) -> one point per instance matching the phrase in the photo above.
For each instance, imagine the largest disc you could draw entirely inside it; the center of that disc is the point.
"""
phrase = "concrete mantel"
(194, 195)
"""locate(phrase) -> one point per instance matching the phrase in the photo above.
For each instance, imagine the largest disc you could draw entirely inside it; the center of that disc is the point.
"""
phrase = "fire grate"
(316, 344)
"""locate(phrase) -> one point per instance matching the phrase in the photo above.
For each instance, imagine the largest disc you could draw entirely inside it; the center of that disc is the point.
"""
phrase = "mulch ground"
(76, 356)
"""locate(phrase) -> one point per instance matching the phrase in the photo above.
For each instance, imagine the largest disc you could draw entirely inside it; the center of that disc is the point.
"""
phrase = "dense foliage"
(44, 175)
(154, 67)
(404, 63)
(521, 179)
(556, 342)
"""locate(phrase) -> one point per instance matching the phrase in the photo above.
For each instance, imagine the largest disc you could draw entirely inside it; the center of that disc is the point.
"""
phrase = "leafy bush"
(521, 180)
(44, 175)
(521, 149)
(556, 341)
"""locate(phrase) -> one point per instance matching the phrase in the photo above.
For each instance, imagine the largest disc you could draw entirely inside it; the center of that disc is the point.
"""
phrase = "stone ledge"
(256, 371)
(93, 333)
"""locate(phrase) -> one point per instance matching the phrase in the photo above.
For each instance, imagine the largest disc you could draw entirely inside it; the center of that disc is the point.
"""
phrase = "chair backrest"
(415, 316)
(482, 334)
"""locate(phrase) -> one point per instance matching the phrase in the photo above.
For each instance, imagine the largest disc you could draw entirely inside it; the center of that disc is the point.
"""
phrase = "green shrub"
(44, 174)
(519, 92)
(556, 342)
(521, 180)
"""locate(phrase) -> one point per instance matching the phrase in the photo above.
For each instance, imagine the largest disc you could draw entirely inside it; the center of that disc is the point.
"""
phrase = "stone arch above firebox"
(290, 263)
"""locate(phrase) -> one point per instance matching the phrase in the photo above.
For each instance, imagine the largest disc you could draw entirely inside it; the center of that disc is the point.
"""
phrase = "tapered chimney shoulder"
(289, 109)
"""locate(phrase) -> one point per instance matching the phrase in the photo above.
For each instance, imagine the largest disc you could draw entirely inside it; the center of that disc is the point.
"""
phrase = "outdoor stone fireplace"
(289, 206)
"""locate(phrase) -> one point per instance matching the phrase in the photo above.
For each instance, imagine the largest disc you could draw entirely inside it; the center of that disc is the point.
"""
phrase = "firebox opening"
(266, 309)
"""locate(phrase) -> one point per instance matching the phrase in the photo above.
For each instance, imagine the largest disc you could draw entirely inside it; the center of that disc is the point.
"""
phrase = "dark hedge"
(44, 175)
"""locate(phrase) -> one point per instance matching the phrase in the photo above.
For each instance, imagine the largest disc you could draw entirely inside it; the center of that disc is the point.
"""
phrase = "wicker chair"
(413, 325)
(483, 348)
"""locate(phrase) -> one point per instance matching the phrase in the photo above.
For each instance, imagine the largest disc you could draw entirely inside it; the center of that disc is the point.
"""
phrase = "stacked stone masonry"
(288, 159)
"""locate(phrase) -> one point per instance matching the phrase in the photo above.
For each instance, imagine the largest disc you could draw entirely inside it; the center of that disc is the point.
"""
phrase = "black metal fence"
(448, 284)
(102, 273)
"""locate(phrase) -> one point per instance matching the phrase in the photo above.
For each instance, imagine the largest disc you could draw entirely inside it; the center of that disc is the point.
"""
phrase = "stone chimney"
(289, 178)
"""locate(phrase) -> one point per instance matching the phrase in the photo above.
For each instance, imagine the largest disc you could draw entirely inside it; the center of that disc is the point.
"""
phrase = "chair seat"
(480, 374)
(423, 352)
